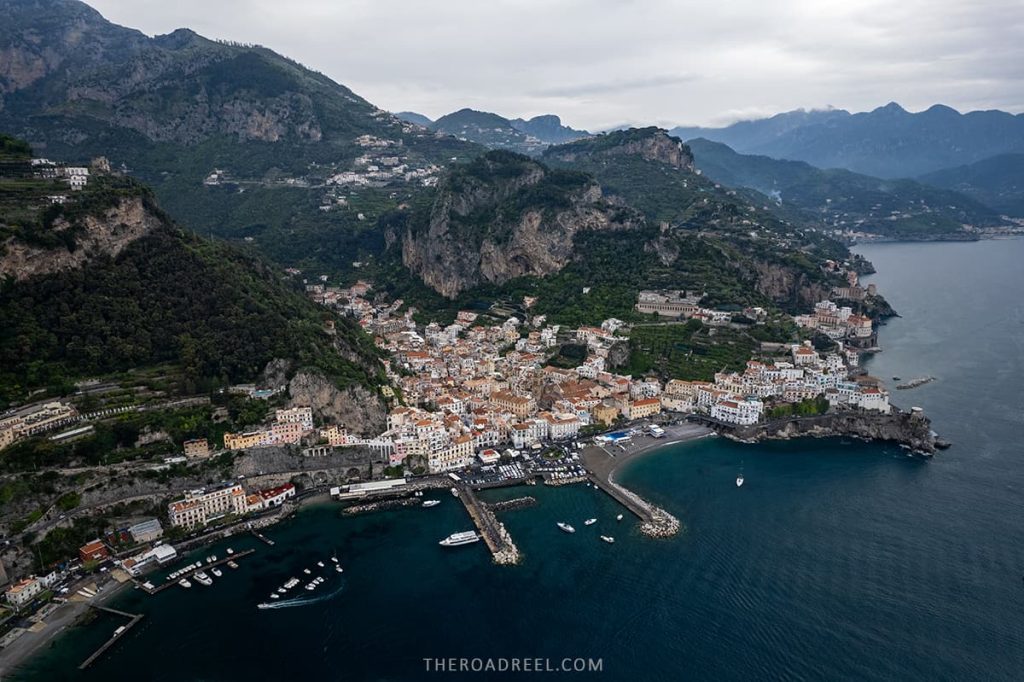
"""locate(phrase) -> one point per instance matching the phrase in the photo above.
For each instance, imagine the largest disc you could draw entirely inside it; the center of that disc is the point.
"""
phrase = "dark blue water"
(836, 560)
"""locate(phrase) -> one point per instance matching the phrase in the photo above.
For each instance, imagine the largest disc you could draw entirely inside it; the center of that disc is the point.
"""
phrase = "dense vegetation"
(690, 350)
(997, 182)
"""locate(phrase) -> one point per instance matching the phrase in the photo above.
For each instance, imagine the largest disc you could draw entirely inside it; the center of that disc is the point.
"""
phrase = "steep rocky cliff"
(650, 144)
(505, 216)
(105, 234)
(359, 410)
(909, 429)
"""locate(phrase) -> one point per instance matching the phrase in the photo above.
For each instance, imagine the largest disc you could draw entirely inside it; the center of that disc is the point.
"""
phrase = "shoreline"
(58, 622)
(605, 463)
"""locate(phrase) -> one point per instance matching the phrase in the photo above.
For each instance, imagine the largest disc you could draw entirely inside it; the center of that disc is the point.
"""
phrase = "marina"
(184, 575)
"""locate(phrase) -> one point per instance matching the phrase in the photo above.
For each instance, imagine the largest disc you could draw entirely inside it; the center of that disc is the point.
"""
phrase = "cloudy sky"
(600, 63)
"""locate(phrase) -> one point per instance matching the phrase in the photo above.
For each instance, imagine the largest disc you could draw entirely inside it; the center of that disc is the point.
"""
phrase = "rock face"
(909, 429)
(505, 216)
(652, 144)
(356, 408)
(94, 236)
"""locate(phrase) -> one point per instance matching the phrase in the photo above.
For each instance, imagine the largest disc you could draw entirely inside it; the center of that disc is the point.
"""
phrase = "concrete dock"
(133, 618)
(171, 583)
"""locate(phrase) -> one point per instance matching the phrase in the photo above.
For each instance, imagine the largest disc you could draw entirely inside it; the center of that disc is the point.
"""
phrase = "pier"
(133, 618)
(171, 583)
(491, 530)
(260, 536)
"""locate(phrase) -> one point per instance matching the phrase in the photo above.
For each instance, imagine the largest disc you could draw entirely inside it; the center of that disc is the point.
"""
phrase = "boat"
(566, 527)
(590, 522)
(455, 492)
(203, 579)
(292, 582)
(216, 572)
(339, 569)
(185, 583)
(739, 480)
(310, 586)
(431, 503)
(608, 538)
(230, 551)
(232, 564)
(463, 538)
(619, 517)
(897, 379)
(281, 590)
(264, 606)
(307, 571)
(320, 564)
(334, 559)
(275, 596)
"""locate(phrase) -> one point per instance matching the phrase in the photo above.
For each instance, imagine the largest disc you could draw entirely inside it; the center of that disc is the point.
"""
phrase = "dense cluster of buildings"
(838, 323)
(201, 506)
(35, 419)
(288, 428)
(686, 305)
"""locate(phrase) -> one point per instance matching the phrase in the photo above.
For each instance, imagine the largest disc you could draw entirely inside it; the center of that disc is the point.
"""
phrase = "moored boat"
(608, 538)
(590, 522)
(185, 583)
(216, 572)
(619, 517)
(463, 538)
(431, 503)
(203, 579)
(566, 527)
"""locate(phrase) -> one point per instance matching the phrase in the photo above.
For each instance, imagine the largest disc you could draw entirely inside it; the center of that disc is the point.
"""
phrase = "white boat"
(431, 503)
(307, 571)
(320, 564)
(456, 539)
(334, 559)
(263, 606)
(566, 527)
(339, 569)
(608, 538)
(275, 596)
(739, 480)
(281, 590)
(292, 582)
(590, 522)
(185, 583)
(310, 586)
(216, 572)
(232, 564)
(230, 551)
(619, 517)
(203, 579)
(455, 492)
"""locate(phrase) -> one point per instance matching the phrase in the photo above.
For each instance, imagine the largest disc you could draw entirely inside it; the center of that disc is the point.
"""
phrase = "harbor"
(151, 589)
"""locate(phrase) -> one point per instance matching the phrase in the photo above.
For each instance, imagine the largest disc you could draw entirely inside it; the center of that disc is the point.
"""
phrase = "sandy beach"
(604, 460)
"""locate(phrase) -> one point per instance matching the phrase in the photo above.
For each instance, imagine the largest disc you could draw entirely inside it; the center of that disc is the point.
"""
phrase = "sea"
(837, 560)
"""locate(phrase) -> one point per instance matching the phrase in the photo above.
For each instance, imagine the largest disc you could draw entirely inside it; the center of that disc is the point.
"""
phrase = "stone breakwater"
(383, 505)
(509, 505)
(655, 521)
(911, 430)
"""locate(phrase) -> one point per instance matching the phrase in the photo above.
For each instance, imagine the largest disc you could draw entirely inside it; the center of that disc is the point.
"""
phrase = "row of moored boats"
(196, 570)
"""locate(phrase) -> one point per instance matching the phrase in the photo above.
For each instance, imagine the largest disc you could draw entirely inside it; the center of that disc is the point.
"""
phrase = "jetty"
(188, 574)
(133, 618)
(509, 505)
(914, 383)
(260, 536)
(491, 530)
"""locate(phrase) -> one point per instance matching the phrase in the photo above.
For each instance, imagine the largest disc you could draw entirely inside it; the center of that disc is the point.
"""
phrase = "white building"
(742, 412)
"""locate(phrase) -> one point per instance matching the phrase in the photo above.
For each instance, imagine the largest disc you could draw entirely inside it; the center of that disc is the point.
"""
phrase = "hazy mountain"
(997, 182)
(490, 130)
(842, 199)
(176, 108)
(888, 142)
(548, 128)
(413, 117)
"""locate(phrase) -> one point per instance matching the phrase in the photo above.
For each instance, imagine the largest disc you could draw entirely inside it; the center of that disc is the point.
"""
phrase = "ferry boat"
(590, 522)
(608, 538)
(203, 579)
(216, 572)
(456, 539)
(431, 503)
(619, 517)
(185, 583)
(232, 564)
(566, 527)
